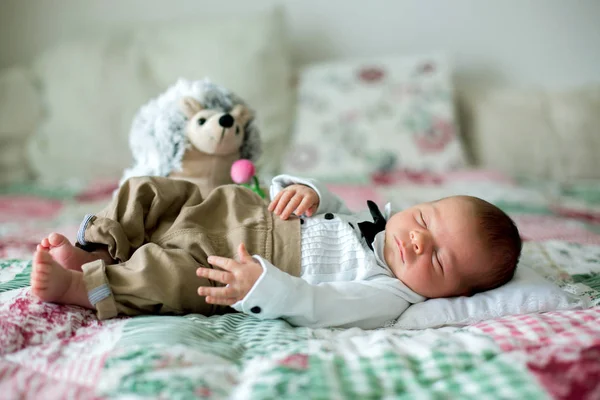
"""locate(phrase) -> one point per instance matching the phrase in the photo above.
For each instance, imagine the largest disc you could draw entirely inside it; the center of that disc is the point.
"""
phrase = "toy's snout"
(215, 133)
(212, 131)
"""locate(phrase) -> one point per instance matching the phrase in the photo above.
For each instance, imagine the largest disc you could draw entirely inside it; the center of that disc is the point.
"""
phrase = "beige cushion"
(19, 114)
(535, 133)
(91, 88)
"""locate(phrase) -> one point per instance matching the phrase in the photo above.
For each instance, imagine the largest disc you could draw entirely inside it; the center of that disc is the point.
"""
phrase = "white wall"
(553, 43)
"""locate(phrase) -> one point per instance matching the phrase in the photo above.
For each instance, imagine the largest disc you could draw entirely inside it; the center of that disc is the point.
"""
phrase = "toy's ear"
(190, 106)
(241, 114)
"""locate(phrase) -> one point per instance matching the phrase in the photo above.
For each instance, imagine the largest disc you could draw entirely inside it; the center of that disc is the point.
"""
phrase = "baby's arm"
(276, 294)
(327, 202)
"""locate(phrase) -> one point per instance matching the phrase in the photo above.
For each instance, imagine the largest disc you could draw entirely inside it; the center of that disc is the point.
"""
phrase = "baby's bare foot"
(64, 253)
(51, 282)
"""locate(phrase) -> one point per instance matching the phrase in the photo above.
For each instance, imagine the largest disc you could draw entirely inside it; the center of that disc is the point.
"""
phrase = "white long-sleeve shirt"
(343, 283)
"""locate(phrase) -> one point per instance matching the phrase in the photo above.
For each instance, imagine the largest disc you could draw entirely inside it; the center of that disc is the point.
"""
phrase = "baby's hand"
(239, 276)
(297, 199)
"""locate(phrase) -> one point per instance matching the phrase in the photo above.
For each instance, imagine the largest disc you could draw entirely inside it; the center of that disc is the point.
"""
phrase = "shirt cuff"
(268, 296)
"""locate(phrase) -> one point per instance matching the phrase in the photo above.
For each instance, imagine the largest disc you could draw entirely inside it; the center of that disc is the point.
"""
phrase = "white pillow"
(528, 292)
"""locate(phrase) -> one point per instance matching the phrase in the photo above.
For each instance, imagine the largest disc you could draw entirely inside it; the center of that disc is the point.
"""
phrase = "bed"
(54, 351)
(371, 128)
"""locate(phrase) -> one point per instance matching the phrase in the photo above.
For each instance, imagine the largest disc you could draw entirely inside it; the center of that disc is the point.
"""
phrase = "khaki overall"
(159, 230)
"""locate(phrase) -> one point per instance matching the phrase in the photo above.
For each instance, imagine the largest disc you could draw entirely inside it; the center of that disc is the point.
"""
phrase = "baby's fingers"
(217, 292)
(285, 198)
(274, 202)
(223, 301)
(215, 275)
(305, 207)
(243, 254)
(291, 206)
(228, 264)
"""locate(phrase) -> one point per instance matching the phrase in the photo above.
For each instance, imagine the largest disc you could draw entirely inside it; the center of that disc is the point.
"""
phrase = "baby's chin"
(398, 271)
(415, 289)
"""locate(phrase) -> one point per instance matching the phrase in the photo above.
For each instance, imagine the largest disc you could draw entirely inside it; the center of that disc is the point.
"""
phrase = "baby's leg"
(69, 256)
(52, 283)
(153, 281)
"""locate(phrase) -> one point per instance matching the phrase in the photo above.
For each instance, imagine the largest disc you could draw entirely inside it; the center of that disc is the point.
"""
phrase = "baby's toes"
(39, 282)
(45, 243)
(41, 269)
(42, 258)
(56, 239)
(42, 248)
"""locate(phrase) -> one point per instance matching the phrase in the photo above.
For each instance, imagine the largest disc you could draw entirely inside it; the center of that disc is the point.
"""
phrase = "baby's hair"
(503, 240)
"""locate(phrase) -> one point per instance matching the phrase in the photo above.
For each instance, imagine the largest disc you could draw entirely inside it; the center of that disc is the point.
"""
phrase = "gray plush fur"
(157, 138)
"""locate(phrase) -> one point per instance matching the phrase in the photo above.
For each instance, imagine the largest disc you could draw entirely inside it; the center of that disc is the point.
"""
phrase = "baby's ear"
(190, 106)
(242, 114)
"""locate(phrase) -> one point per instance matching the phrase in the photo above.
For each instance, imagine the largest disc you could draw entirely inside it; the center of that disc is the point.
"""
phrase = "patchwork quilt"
(50, 351)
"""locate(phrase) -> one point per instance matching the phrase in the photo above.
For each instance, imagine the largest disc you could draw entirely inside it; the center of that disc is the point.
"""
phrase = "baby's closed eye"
(435, 259)
(423, 219)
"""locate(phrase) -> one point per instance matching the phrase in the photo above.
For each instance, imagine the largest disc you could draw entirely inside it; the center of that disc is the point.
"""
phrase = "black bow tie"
(370, 229)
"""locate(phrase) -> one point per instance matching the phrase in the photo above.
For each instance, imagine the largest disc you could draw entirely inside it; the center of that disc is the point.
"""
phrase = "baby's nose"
(417, 240)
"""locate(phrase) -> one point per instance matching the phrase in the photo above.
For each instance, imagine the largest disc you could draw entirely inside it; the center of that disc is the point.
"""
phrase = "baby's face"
(435, 248)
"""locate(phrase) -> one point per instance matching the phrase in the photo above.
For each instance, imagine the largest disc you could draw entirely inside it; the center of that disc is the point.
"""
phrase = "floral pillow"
(369, 121)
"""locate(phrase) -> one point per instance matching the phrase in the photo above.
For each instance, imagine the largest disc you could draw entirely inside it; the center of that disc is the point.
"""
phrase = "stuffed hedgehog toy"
(195, 131)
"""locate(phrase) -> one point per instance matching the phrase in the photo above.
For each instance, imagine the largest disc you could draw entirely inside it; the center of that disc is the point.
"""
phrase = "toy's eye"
(237, 130)
(201, 121)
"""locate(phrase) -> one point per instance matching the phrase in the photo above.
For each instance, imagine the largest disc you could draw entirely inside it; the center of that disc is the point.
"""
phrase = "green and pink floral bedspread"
(51, 351)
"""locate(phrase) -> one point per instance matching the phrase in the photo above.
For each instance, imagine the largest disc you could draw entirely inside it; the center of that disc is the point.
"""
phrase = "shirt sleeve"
(328, 202)
(362, 304)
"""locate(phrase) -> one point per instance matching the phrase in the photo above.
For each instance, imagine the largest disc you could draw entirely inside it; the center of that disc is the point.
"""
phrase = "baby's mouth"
(400, 249)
